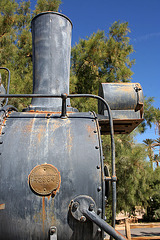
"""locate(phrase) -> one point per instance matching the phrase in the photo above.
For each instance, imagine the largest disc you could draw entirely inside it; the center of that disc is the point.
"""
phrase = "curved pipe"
(9, 76)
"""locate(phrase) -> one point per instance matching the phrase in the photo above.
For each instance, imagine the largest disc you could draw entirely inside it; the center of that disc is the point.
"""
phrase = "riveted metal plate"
(44, 179)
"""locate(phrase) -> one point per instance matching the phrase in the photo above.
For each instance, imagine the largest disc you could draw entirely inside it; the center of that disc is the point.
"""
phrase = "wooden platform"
(148, 235)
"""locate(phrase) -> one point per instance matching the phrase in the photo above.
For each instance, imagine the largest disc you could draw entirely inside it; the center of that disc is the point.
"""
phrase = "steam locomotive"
(53, 183)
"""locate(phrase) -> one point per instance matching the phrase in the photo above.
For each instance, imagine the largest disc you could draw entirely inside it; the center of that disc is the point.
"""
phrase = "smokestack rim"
(51, 12)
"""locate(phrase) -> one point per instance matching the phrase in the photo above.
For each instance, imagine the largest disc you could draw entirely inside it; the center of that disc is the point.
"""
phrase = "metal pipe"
(8, 84)
(103, 225)
(30, 96)
(51, 44)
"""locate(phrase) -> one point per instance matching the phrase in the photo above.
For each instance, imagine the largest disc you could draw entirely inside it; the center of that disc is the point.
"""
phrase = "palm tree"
(149, 144)
(157, 144)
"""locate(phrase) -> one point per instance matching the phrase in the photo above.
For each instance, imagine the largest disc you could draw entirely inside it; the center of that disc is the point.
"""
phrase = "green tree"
(133, 187)
(101, 58)
(149, 144)
(151, 115)
(153, 208)
(16, 44)
(47, 5)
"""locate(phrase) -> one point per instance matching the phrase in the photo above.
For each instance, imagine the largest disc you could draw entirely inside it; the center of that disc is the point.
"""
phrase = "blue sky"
(143, 16)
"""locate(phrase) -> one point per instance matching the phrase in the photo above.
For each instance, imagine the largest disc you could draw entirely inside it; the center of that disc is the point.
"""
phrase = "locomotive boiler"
(53, 183)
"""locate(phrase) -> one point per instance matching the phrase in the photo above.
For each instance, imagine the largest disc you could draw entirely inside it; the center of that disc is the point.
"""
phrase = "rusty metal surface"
(72, 146)
(121, 126)
(2, 206)
(120, 96)
(44, 179)
(126, 103)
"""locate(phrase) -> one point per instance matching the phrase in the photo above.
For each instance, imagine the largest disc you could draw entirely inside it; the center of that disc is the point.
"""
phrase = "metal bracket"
(84, 207)
(112, 179)
(53, 233)
(64, 109)
(78, 204)
(139, 104)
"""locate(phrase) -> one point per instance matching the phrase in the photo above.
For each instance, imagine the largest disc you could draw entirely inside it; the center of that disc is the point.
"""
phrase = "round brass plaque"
(44, 179)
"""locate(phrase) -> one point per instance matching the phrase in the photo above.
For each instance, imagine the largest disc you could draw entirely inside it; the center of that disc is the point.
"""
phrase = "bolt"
(75, 205)
(99, 189)
(96, 147)
(99, 211)
(48, 115)
(83, 219)
(98, 167)
(91, 207)
(99, 230)
(52, 231)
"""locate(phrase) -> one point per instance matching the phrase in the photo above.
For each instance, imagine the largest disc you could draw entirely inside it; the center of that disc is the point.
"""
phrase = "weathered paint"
(69, 145)
(2, 206)
(43, 213)
(29, 126)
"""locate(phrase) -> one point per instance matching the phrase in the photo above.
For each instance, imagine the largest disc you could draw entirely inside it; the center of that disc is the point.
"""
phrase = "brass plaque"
(44, 179)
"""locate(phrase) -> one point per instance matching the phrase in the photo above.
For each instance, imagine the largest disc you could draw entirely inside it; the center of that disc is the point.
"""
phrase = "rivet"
(83, 219)
(48, 115)
(91, 207)
(53, 231)
(99, 230)
(98, 167)
(99, 189)
(75, 205)
(96, 147)
(99, 211)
